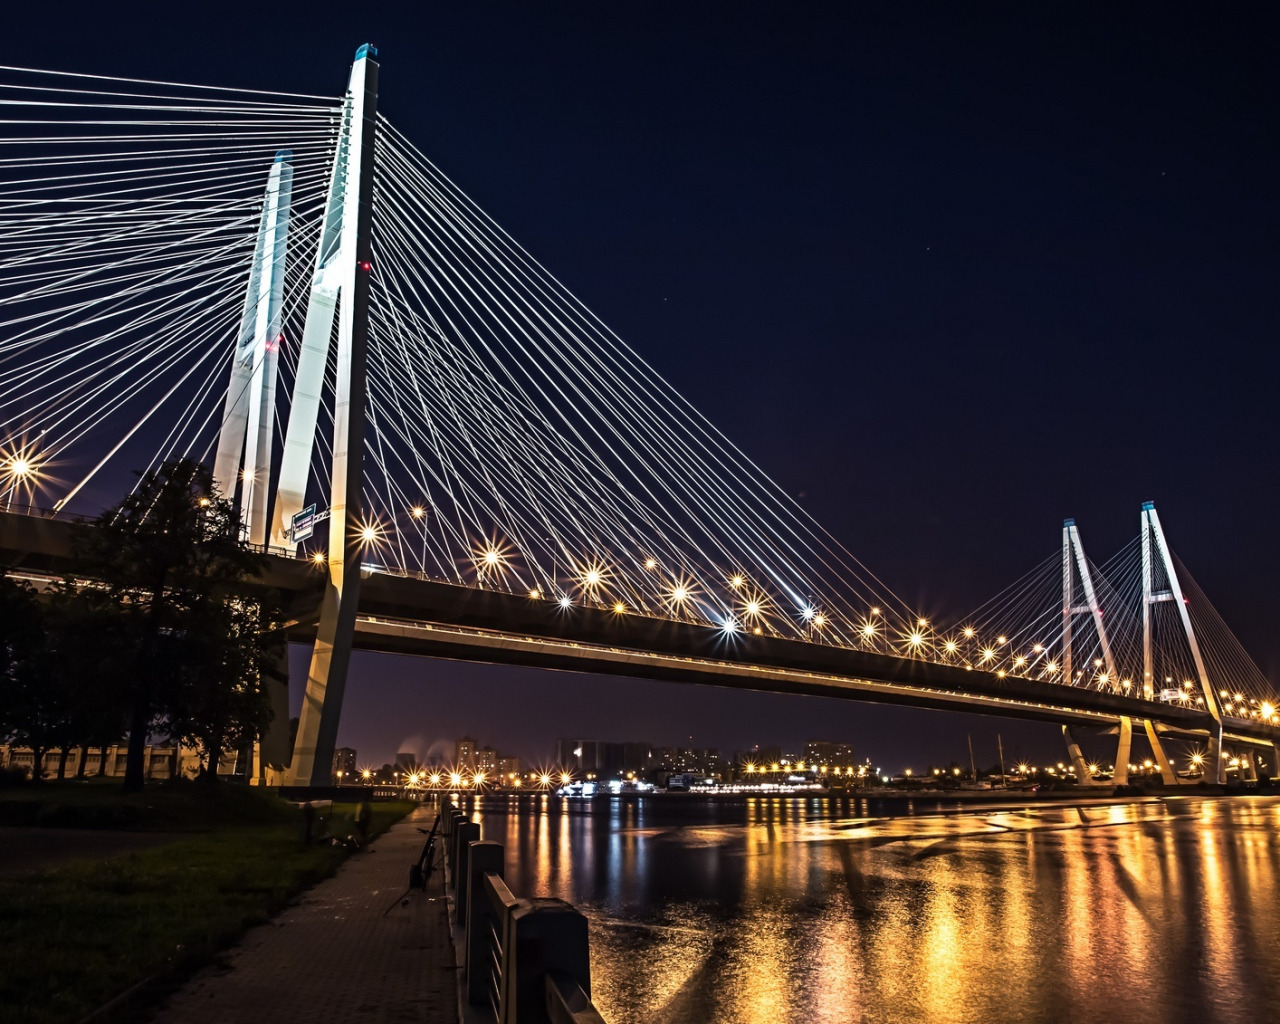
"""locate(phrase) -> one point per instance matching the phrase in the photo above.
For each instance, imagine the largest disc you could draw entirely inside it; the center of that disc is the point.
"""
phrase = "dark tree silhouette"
(171, 559)
(30, 710)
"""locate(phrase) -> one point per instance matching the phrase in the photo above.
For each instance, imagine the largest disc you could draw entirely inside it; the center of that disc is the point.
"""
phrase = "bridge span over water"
(411, 615)
(470, 463)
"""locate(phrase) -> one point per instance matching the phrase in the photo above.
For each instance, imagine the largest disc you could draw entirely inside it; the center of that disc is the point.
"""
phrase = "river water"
(769, 910)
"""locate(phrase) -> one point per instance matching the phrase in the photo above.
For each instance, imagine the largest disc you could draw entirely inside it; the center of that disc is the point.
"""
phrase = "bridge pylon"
(339, 285)
(248, 414)
(1076, 567)
(1166, 587)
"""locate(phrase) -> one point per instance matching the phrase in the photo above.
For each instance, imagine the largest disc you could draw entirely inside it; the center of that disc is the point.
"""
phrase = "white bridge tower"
(249, 412)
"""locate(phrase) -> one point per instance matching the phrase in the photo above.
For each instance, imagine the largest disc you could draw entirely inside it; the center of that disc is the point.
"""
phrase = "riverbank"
(88, 923)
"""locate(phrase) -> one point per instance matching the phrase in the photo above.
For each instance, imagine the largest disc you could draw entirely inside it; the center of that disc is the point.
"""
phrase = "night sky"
(948, 272)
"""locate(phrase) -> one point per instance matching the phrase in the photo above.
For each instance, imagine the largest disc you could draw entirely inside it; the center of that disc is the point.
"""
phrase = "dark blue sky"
(950, 272)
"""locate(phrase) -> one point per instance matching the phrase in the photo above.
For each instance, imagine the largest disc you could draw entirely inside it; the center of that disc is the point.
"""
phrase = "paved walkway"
(335, 957)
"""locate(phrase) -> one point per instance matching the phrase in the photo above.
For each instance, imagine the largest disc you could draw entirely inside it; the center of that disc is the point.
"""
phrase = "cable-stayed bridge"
(446, 453)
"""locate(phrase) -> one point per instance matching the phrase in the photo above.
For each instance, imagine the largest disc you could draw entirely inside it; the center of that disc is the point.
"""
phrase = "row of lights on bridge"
(753, 610)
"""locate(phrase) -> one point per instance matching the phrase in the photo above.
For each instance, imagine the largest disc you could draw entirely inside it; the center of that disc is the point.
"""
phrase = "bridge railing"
(37, 512)
(526, 961)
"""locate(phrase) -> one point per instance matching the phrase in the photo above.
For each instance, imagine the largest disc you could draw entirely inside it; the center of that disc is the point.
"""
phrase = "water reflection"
(770, 909)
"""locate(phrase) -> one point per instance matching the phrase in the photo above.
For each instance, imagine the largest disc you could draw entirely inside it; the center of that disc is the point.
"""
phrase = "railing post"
(468, 833)
(548, 936)
(567, 1003)
(483, 858)
(456, 817)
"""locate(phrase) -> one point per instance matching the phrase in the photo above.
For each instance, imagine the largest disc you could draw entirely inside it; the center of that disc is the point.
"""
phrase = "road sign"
(304, 524)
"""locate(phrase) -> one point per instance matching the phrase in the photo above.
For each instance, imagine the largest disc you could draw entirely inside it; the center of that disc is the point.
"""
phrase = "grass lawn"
(74, 938)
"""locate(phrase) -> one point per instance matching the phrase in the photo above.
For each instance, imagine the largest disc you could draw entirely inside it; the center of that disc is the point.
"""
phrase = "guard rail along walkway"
(526, 961)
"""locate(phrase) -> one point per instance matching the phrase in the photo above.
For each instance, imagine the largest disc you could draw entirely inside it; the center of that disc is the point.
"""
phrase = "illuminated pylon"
(340, 284)
(248, 414)
(1074, 565)
(1154, 546)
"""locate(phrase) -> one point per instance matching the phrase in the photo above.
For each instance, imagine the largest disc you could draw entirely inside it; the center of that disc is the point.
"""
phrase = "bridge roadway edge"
(423, 617)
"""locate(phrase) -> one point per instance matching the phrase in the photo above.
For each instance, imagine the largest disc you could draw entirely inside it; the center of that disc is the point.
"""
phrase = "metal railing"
(525, 961)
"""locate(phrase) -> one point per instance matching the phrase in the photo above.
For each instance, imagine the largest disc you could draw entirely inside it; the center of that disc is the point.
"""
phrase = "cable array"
(127, 219)
(513, 440)
(517, 442)
(1023, 631)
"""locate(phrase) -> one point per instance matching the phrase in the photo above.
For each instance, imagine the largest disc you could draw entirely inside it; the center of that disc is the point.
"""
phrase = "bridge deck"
(408, 615)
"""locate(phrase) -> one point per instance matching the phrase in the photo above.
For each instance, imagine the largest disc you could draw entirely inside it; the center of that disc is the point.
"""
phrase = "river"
(768, 910)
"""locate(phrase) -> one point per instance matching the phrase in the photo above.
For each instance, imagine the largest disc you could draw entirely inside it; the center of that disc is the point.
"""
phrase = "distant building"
(405, 759)
(580, 757)
(687, 761)
(637, 757)
(464, 753)
(158, 762)
(767, 755)
(344, 761)
(826, 752)
(487, 761)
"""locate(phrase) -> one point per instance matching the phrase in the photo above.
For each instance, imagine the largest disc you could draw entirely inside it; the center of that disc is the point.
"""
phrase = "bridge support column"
(1167, 774)
(342, 274)
(1216, 769)
(1120, 776)
(271, 752)
(1083, 776)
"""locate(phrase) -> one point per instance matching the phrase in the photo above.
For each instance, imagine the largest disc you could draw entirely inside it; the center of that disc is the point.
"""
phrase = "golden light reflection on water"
(767, 910)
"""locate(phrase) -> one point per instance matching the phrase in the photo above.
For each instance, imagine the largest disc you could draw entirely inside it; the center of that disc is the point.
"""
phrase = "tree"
(86, 658)
(225, 655)
(30, 708)
(171, 558)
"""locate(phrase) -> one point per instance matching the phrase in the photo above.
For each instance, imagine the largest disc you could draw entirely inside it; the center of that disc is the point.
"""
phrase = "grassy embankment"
(77, 936)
